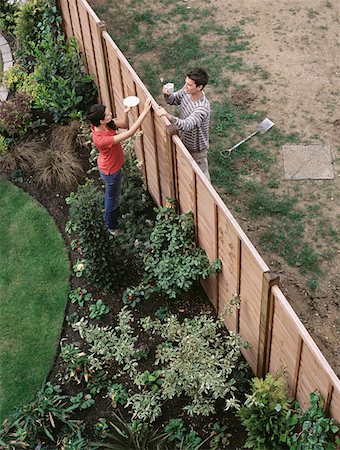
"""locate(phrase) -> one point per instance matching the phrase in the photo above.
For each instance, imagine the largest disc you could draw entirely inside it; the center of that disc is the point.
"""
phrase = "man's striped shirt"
(193, 122)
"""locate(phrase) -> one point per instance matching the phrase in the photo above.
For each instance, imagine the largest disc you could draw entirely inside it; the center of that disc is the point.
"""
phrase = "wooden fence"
(265, 319)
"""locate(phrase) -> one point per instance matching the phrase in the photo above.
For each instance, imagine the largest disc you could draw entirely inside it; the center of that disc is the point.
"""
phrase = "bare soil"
(298, 44)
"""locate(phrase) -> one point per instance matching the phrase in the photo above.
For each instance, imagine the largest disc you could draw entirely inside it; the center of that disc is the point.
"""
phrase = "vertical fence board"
(230, 256)
(285, 342)
(115, 76)
(312, 377)
(67, 18)
(334, 408)
(187, 192)
(251, 290)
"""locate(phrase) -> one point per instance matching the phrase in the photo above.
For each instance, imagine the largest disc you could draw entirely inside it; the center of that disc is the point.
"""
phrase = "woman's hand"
(147, 105)
(127, 109)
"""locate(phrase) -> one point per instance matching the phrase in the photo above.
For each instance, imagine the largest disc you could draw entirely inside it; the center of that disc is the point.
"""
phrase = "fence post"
(270, 279)
(171, 130)
(104, 92)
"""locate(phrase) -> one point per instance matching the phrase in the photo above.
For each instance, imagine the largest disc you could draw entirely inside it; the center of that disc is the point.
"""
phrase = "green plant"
(219, 437)
(172, 262)
(123, 435)
(80, 296)
(82, 401)
(4, 145)
(8, 14)
(98, 310)
(106, 344)
(141, 351)
(195, 361)
(102, 267)
(56, 80)
(175, 429)
(118, 394)
(162, 312)
(76, 363)
(39, 418)
(145, 406)
(79, 267)
(310, 429)
(152, 381)
(264, 412)
(101, 426)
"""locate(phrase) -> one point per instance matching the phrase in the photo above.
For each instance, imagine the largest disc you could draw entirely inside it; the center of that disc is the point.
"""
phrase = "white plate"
(131, 101)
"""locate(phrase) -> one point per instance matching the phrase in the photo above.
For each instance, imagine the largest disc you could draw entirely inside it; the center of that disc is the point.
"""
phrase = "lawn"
(34, 284)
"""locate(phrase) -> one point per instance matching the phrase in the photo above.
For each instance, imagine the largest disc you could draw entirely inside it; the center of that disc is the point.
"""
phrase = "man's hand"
(160, 111)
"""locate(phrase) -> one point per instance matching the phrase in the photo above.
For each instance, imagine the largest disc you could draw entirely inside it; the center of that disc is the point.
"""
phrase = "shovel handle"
(242, 142)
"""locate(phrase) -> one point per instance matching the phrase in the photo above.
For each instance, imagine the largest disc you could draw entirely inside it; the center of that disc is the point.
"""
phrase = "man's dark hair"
(95, 114)
(199, 76)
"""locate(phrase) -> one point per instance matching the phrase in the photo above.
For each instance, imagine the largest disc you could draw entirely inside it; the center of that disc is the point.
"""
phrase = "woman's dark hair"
(199, 76)
(96, 114)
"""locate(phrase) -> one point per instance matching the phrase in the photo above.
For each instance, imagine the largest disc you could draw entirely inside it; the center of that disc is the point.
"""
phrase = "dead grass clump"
(58, 168)
(65, 136)
(22, 155)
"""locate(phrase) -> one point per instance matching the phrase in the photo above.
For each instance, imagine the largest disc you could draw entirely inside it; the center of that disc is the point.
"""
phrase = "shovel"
(264, 126)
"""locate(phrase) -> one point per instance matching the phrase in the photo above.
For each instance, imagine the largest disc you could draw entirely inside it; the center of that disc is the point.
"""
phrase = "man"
(193, 123)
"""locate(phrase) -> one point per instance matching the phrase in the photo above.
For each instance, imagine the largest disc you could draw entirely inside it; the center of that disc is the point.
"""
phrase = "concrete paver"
(302, 162)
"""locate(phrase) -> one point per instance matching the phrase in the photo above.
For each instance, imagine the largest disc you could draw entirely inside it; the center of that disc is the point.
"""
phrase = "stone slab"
(307, 162)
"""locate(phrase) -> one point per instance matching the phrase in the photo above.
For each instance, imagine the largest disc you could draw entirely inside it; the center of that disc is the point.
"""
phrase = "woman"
(111, 156)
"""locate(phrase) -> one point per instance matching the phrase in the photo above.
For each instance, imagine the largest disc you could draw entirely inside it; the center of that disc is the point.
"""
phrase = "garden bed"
(188, 305)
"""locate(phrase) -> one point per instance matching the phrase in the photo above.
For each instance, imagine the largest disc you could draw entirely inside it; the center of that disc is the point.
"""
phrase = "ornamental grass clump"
(172, 262)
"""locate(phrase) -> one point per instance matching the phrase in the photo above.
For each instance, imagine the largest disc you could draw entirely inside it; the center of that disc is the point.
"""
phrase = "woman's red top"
(111, 156)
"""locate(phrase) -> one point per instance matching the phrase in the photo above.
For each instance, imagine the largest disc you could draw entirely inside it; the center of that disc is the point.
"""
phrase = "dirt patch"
(297, 43)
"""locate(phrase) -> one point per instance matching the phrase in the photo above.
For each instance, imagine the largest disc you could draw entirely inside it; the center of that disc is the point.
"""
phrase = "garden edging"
(7, 59)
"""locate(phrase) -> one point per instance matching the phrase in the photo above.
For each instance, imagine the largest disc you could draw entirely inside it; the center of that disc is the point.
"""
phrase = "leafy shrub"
(172, 262)
(38, 418)
(55, 78)
(107, 344)
(15, 115)
(264, 412)
(310, 429)
(28, 25)
(102, 267)
(8, 14)
(195, 361)
(15, 76)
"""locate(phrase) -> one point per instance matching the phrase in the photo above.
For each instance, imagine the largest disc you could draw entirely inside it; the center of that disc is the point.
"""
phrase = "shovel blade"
(265, 125)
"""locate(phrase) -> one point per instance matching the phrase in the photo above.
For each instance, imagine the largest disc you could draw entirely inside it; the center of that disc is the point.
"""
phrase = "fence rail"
(265, 318)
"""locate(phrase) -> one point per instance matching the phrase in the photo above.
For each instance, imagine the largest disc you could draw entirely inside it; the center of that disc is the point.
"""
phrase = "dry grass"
(53, 163)
(58, 168)
(58, 165)
(22, 155)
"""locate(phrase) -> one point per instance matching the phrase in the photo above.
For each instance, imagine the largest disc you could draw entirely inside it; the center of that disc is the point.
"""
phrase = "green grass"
(34, 284)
